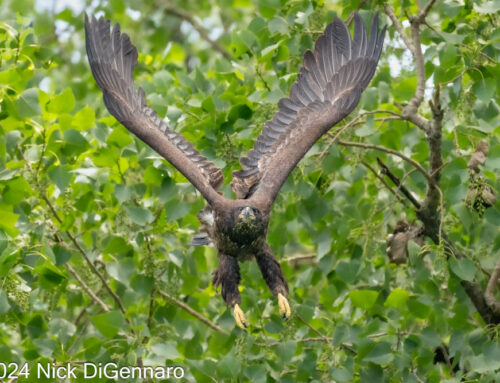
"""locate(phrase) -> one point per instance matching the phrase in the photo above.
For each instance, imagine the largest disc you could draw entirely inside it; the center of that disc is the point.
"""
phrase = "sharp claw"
(239, 317)
(284, 307)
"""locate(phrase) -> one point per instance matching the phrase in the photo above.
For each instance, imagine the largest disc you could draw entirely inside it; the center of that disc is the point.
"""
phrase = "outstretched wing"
(328, 88)
(112, 58)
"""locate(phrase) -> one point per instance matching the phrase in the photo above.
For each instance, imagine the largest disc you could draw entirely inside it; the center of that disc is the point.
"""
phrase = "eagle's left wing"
(328, 88)
(112, 58)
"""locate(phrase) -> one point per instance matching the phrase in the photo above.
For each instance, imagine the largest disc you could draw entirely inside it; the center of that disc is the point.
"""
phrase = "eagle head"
(247, 224)
(247, 215)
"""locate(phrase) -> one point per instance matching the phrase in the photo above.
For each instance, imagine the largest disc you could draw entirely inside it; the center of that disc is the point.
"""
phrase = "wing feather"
(327, 89)
(112, 59)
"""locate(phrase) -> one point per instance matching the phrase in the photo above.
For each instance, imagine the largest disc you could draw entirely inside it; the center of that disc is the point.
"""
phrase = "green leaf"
(449, 55)
(484, 90)
(16, 190)
(8, 222)
(139, 215)
(119, 137)
(109, 323)
(27, 103)
(36, 327)
(363, 299)
(380, 354)
(405, 89)
(62, 103)
(240, 111)
(419, 309)
(487, 7)
(142, 285)
(463, 268)
(50, 275)
(175, 53)
(122, 270)
(75, 138)
(167, 350)
(397, 298)
(278, 25)
(286, 350)
(492, 216)
(4, 302)
(84, 119)
(153, 175)
(61, 176)
(229, 366)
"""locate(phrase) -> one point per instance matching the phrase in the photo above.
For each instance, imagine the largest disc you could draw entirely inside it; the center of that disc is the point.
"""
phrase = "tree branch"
(368, 166)
(410, 112)
(385, 170)
(194, 313)
(204, 35)
(429, 214)
(424, 12)
(87, 289)
(418, 97)
(75, 242)
(490, 289)
(390, 151)
(389, 11)
(87, 259)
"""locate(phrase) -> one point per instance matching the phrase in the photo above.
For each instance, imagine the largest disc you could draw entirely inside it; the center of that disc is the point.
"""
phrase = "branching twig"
(369, 167)
(203, 33)
(410, 112)
(385, 170)
(349, 19)
(418, 97)
(390, 151)
(75, 242)
(299, 257)
(87, 289)
(399, 27)
(194, 313)
(423, 13)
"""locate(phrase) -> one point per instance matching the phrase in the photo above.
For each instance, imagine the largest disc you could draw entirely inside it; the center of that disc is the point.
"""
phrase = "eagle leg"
(273, 275)
(227, 276)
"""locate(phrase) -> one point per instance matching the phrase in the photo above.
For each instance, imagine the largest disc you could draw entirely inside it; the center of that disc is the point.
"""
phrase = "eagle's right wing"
(112, 58)
(328, 88)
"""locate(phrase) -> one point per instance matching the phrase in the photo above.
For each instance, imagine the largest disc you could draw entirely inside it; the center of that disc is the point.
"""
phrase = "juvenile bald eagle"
(327, 89)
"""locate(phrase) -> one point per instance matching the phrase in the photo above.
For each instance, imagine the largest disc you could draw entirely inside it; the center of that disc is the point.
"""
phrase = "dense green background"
(75, 184)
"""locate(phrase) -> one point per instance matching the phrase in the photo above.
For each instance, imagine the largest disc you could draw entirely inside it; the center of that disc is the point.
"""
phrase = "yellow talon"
(239, 317)
(285, 311)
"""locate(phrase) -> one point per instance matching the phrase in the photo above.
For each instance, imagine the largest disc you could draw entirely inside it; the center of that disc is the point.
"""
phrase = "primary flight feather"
(328, 87)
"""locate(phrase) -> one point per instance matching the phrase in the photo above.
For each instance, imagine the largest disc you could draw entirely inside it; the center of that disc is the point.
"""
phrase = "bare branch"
(397, 182)
(390, 151)
(424, 12)
(91, 265)
(194, 313)
(368, 166)
(431, 209)
(490, 289)
(410, 112)
(203, 33)
(87, 289)
(399, 27)
(75, 242)
(418, 97)
(349, 19)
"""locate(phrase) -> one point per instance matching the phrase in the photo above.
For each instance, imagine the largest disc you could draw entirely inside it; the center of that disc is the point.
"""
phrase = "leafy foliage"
(82, 199)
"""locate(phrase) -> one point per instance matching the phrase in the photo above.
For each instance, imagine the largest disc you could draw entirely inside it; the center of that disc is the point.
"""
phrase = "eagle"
(327, 89)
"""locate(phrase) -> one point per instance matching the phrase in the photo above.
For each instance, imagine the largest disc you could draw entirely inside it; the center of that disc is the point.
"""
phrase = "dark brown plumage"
(328, 88)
